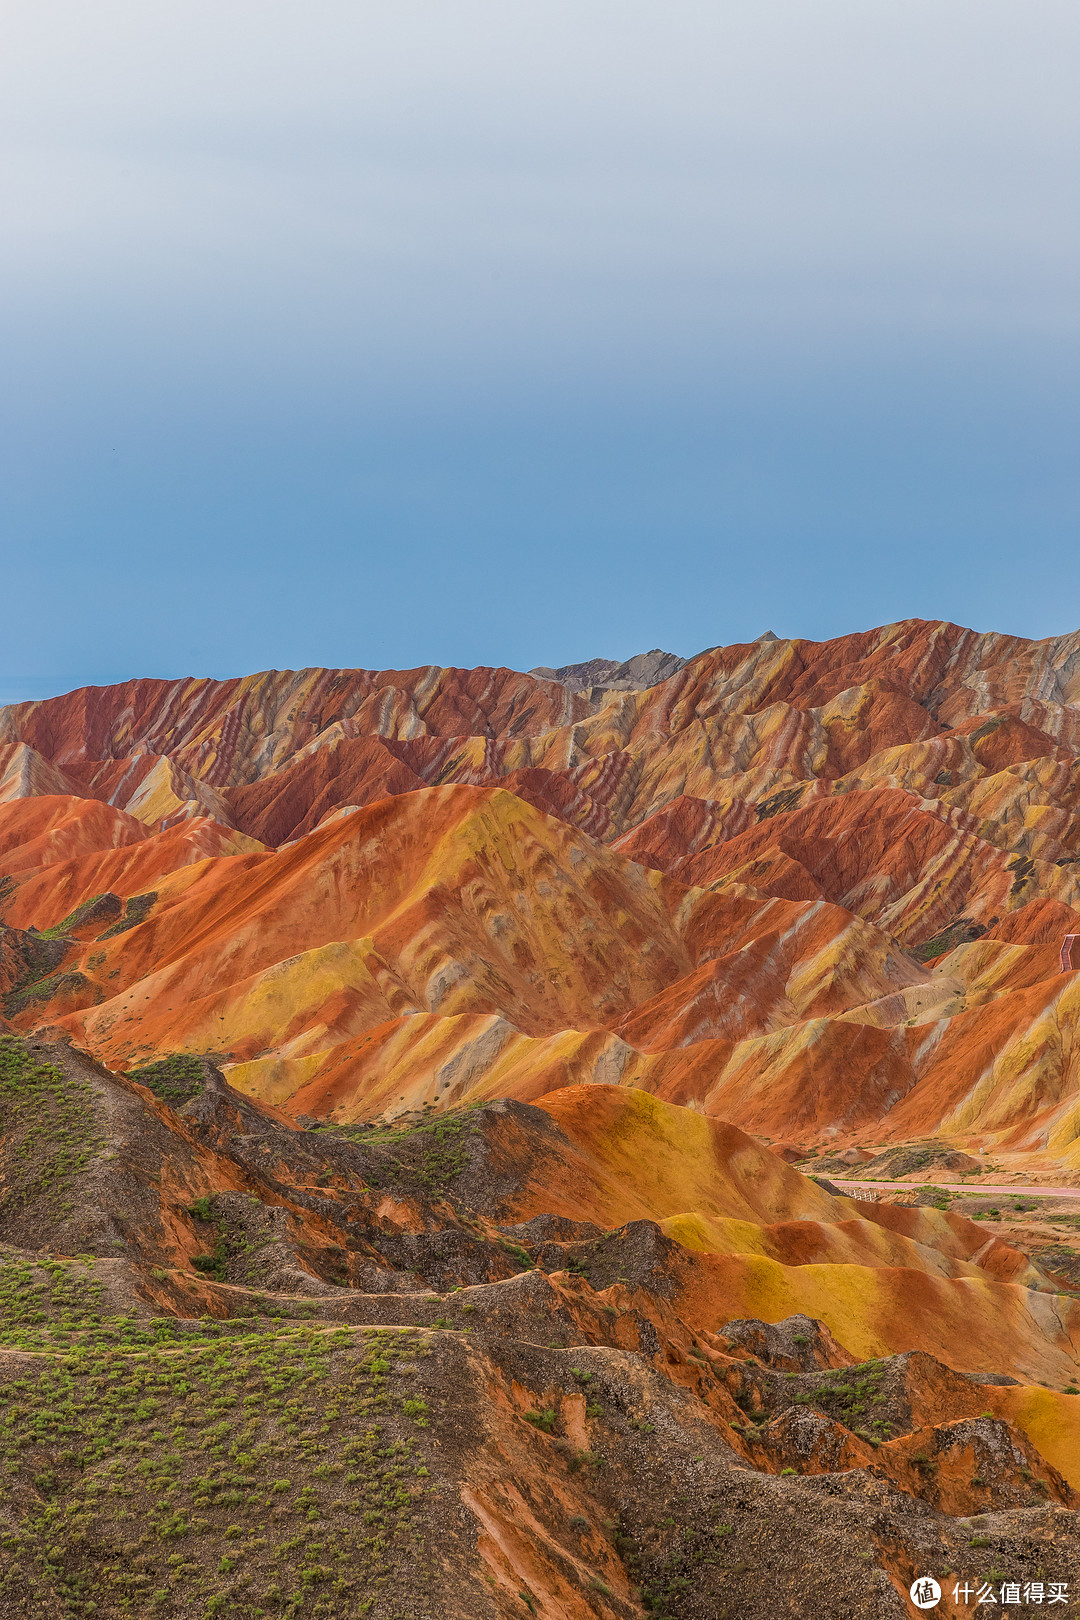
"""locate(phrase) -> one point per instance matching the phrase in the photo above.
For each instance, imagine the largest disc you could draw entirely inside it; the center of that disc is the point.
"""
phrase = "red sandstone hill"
(819, 885)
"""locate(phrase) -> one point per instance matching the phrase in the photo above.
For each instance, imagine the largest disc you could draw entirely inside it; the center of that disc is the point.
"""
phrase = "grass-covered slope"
(151, 1467)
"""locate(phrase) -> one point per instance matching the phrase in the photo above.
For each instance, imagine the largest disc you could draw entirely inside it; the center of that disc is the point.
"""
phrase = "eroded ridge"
(255, 1368)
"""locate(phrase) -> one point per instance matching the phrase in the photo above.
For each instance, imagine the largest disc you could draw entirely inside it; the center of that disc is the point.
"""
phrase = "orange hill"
(816, 887)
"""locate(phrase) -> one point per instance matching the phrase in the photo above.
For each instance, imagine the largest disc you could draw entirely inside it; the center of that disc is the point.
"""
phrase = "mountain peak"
(634, 675)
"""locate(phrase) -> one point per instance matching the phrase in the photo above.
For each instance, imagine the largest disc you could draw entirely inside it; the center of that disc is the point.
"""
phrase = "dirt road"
(962, 1186)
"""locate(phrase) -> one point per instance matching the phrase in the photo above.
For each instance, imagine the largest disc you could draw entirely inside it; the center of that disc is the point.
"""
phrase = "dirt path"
(965, 1187)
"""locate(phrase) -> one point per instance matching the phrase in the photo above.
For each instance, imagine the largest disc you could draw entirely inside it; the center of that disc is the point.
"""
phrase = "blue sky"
(523, 331)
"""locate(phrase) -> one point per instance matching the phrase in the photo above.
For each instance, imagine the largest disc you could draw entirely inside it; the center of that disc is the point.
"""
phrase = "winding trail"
(957, 1186)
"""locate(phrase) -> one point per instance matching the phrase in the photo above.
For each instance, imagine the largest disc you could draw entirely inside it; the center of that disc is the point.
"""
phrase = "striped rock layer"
(820, 888)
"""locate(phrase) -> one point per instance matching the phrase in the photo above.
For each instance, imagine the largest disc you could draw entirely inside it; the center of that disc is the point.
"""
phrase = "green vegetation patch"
(667, 1561)
(216, 1262)
(445, 1158)
(779, 804)
(987, 728)
(38, 957)
(101, 906)
(960, 932)
(1023, 870)
(136, 910)
(249, 1471)
(56, 1305)
(175, 1079)
(41, 1303)
(48, 1123)
(849, 1395)
(433, 1154)
(47, 989)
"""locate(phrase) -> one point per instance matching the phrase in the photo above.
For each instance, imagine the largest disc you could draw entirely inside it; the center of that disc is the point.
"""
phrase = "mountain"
(819, 887)
(386, 1005)
(635, 675)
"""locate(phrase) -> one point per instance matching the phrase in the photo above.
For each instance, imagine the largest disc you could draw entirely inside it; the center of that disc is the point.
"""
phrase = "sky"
(528, 331)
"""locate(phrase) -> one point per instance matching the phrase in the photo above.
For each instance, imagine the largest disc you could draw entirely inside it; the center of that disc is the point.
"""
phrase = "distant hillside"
(758, 885)
(635, 675)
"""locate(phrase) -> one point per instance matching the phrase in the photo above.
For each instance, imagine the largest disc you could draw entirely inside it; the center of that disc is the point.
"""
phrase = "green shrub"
(175, 1079)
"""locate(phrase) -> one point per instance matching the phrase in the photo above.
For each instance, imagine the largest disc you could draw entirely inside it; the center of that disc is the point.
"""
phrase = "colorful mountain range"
(461, 978)
(820, 888)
